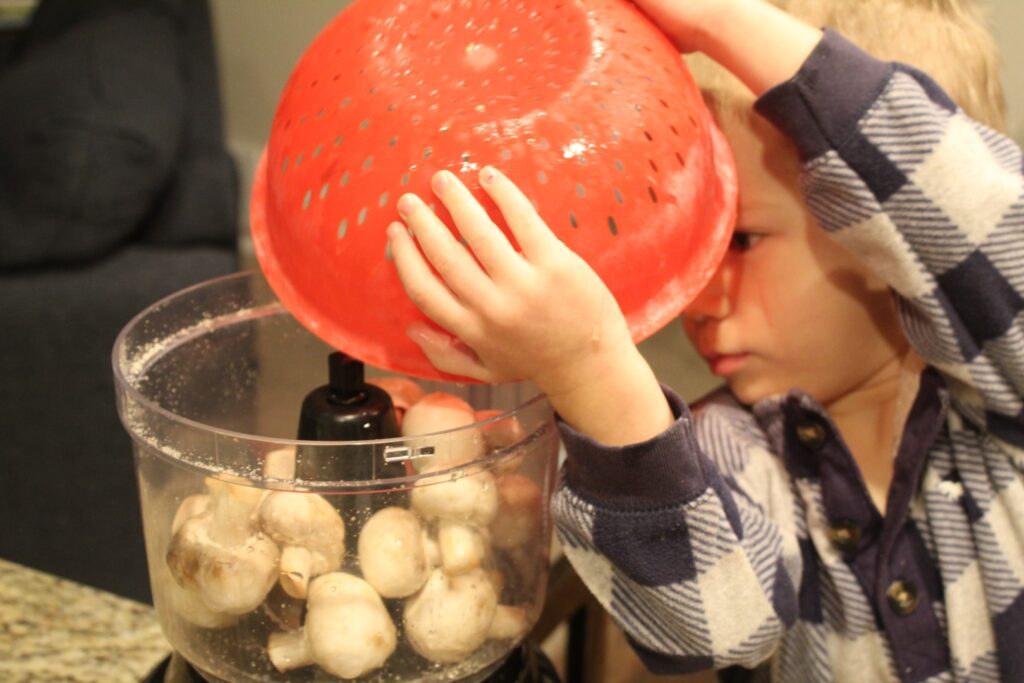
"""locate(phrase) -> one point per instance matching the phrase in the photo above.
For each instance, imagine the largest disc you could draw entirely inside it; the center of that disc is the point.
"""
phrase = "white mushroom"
(311, 534)
(187, 604)
(499, 433)
(449, 618)
(497, 578)
(192, 506)
(348, 631)
(441, 412)
(392, 555)
(279, 464)
(433, 550)
(403, 392)
(520, 508)
(221, 555)
(463, 496)
(508, 623)
(462, 547)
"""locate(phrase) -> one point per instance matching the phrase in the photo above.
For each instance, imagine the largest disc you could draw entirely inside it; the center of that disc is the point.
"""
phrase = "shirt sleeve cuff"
(820, 106)
(668, 469)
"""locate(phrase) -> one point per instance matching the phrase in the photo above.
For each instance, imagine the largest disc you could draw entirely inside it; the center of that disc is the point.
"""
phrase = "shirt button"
(902, 597)
(845, 536)
(811, 434)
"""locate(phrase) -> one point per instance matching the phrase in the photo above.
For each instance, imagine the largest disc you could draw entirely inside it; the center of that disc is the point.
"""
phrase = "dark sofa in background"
(115, 190)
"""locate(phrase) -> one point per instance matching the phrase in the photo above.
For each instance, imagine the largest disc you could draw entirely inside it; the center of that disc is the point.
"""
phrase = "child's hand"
(540, 314)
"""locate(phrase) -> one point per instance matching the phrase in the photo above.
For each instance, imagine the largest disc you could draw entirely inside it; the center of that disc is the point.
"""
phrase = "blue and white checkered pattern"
(735, 564)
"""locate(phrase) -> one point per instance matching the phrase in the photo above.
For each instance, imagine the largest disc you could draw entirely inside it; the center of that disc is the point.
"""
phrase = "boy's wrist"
(613, 397)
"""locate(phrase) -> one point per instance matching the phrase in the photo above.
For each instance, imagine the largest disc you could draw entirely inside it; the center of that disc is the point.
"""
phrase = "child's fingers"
(448, 354)
(450, 259)
(534, 236)
(423, 287)
(486, 239)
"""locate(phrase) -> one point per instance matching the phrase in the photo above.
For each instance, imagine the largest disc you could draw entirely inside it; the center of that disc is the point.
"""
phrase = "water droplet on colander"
(480, 56)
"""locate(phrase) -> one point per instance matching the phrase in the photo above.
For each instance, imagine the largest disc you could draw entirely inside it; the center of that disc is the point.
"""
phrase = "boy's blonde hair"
(947, 39)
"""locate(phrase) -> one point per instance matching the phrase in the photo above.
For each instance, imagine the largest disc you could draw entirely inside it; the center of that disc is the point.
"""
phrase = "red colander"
(583, 103)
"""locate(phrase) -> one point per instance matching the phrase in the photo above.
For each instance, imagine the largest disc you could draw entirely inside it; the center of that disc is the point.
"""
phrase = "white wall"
(258, 43)
(260, 40)
(1007, 21)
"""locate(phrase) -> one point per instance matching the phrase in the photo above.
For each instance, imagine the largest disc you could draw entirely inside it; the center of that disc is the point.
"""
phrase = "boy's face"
(788, 307)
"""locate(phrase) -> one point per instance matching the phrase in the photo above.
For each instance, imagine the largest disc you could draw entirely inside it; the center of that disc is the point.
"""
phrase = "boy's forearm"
(616, 401)
(757, 42)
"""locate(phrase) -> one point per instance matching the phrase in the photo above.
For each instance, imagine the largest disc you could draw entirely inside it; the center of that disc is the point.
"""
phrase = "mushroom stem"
(279, 464)
(462, 547)
(311, 533)
(232, 507)
(296, 570)
(289, 650)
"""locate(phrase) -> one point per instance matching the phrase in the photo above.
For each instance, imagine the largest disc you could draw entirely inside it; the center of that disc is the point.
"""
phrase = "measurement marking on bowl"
(405, 453)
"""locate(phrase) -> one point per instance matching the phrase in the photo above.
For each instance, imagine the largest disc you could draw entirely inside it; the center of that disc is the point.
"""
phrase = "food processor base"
(526, 664)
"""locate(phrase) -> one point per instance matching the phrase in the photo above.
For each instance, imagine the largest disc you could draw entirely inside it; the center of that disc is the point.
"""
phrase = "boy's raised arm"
(725, 31)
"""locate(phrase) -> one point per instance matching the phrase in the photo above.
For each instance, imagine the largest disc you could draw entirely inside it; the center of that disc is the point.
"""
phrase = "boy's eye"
(742, 241)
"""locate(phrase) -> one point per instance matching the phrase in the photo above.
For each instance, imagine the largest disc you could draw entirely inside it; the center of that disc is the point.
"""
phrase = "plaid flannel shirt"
(746, 537)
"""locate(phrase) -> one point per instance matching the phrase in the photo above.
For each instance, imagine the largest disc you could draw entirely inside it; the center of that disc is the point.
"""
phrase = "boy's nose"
(714, 300)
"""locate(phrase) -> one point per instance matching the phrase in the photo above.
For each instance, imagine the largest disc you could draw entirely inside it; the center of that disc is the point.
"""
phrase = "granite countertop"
(52, 629)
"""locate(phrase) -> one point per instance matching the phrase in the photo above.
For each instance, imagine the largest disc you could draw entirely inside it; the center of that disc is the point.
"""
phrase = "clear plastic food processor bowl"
(264, 568)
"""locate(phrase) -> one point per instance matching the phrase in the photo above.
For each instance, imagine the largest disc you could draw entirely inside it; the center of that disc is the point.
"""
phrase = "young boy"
(852, 508)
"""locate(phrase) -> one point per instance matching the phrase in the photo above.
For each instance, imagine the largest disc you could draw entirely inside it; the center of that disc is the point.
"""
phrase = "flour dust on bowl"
(418, 553)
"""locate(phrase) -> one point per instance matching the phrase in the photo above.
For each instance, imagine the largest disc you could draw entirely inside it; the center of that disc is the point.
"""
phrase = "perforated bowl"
(585, 105)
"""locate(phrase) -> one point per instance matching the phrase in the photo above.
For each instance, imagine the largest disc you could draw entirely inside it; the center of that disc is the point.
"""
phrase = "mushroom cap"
(187, 604)
(463, 496)
(341, 586)
(231, 579)
(463, 547)
(403, 391)
(191, 506)
(520, 508)
(499, 433)
(306, 520)
(347, 626)
(441, 412)
(449, 618)
(392, 554)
